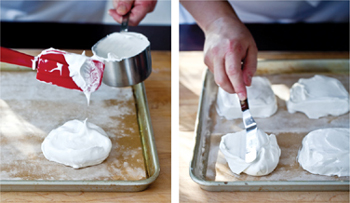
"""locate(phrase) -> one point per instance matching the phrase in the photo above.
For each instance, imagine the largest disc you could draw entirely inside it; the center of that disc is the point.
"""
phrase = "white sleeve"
(185, 16)
(53, 11)
(309, 11)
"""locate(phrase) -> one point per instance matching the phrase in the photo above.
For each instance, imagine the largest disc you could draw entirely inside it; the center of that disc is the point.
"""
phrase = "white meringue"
(77, 144)
(318, 96)
(120, 45)
(267, 157)
(326, 152)
(261, 100)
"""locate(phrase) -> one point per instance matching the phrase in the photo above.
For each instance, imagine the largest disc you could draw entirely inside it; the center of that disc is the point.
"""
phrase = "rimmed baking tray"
(149, 152)
(288, 176)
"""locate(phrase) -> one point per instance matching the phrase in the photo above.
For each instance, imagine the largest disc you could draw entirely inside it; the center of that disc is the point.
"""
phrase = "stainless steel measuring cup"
(129, 71)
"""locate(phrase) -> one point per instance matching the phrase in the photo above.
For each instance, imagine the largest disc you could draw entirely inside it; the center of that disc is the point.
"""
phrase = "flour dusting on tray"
(30, 110)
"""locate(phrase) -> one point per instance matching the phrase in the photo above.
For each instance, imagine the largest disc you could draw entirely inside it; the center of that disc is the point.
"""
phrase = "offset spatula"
(251, 133)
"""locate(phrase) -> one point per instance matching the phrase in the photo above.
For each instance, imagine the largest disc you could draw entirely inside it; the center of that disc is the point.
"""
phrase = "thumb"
(249, 66)
(122, 7)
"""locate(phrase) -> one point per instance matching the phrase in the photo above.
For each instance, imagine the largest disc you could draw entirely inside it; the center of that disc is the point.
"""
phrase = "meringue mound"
(318, 96)
(262, 101)
(267, 157)
(326, 152)
(77, 144)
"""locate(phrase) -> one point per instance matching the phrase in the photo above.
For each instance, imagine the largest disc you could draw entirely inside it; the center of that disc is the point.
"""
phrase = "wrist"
(221, 23)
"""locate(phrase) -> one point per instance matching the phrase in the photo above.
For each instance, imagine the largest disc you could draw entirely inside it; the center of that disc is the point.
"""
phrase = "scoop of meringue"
(77, 144)
(129, 44)
(326, 152)
(268, 153)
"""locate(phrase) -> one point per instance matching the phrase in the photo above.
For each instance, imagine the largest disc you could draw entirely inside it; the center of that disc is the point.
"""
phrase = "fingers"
(137, 14)
(220, 76)
(228, 74)
(234, 73)
(122, 7)
(250, 65)
(113, 13)
(138, 10)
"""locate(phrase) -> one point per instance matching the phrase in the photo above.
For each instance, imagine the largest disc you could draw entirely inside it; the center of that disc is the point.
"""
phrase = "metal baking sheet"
(84, 179)
(208, 167)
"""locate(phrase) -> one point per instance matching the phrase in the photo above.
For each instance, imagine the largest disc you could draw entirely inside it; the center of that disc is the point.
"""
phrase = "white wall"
(160, 16)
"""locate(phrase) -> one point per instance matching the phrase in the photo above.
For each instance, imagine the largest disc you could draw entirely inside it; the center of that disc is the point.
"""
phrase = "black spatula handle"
(244, 105)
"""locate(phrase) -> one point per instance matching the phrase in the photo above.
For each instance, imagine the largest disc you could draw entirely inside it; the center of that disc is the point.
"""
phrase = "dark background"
(73, 35)
(268, 37)
(281, 37)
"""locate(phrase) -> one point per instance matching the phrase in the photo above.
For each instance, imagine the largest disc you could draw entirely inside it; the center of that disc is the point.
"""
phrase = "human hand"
(138, 10)
(228, 43)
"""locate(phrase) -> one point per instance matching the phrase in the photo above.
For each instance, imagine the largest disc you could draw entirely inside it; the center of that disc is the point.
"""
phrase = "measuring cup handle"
(125, 23)
(15, 57)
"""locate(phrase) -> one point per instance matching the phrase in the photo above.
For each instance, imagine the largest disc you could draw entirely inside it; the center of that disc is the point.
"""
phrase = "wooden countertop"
(159, 102)
(191, 71)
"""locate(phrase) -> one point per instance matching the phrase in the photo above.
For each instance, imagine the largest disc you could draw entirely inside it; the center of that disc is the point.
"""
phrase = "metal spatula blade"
(251, 131)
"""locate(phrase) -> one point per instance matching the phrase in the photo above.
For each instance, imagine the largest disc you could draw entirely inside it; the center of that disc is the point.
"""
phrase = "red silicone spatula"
(51, 66)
